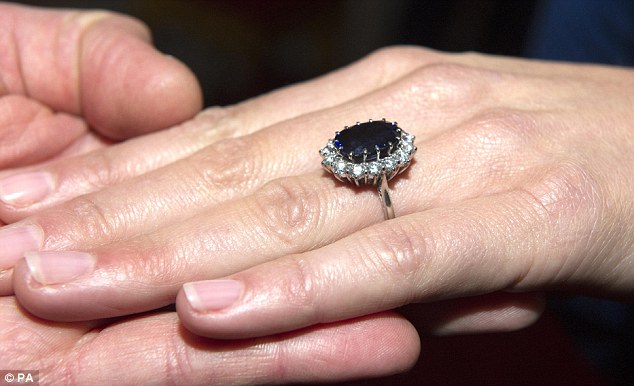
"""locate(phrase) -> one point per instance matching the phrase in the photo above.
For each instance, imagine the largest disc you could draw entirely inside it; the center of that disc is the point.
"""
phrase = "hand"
(204, 152)
(156, 349)
(64, 73)
(521, 184)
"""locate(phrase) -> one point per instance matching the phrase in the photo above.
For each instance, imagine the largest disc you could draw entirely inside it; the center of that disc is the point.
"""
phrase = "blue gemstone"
(361, 141)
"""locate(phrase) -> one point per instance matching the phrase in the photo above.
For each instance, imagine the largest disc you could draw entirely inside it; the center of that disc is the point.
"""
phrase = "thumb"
(99, 65)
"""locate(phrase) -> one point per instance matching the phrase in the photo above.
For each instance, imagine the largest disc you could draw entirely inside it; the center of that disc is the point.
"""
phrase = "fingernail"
(15, 240)
(55, 267)
(25, 189)
(212, 295)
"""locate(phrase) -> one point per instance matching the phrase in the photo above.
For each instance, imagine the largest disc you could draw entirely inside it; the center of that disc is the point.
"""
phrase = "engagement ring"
(372, 152)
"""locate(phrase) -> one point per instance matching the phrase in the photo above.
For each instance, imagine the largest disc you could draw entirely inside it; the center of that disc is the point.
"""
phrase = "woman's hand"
(522, 183)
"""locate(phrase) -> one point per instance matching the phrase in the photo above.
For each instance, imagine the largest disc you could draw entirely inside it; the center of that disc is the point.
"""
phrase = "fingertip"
(375, 345)
(197, 322)
(187, 314)
(22, 290)
(55, 303)
(402, 346)
(172, 95)
(370, 346)
(496, 312)
(130, 88)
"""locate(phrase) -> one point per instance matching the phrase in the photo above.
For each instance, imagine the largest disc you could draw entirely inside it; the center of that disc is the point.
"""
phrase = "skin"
(61, 94)
(521, 184)
(77, 106)
(60, 84)
(62, 74)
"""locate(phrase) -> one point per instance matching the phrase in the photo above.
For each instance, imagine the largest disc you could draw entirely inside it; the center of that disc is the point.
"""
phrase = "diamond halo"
(388, 159)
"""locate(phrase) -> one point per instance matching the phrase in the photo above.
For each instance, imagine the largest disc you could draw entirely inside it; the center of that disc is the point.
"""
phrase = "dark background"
(242, 48)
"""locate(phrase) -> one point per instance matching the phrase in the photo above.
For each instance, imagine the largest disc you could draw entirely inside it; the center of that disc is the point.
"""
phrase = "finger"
(286, 216)
(28, 190)
(156, 349)
(495, 312)
(31, 132)
(86, 352)
(516, 240)
(87, 63)
(27, 339)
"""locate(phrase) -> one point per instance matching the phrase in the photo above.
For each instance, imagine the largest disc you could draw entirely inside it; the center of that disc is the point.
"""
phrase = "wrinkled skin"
(521, 184)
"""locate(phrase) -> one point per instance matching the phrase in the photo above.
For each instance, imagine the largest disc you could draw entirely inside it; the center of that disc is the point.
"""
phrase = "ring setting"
(371, 152)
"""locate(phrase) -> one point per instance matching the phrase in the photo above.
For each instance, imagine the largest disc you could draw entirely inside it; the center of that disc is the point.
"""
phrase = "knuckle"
(288, 210)
(177, 363)
(507, 129)
(86, 223)
(299, 289)
(400, 250)
(97, 169)
(95, 221)
(67, 373)
(205, 125)
(387, 56)
(447, 85)
(569, 194)
(218, 122)
(139, 268)
(494, 141)
(227, 164)
(565, 208)
(85, 20)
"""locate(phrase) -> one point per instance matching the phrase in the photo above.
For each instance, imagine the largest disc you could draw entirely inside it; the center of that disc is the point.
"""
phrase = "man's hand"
(156, 349)
(73, 80)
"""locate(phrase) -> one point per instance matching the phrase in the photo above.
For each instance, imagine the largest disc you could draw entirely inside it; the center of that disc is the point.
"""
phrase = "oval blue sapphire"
(360, 142)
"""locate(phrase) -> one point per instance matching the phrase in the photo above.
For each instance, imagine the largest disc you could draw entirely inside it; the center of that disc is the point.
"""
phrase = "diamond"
(329, 161)
(407, 147)
(374, 169)
(326, 151)
(402, 158)
(389, 164)
(339, 167)
(357, 171)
